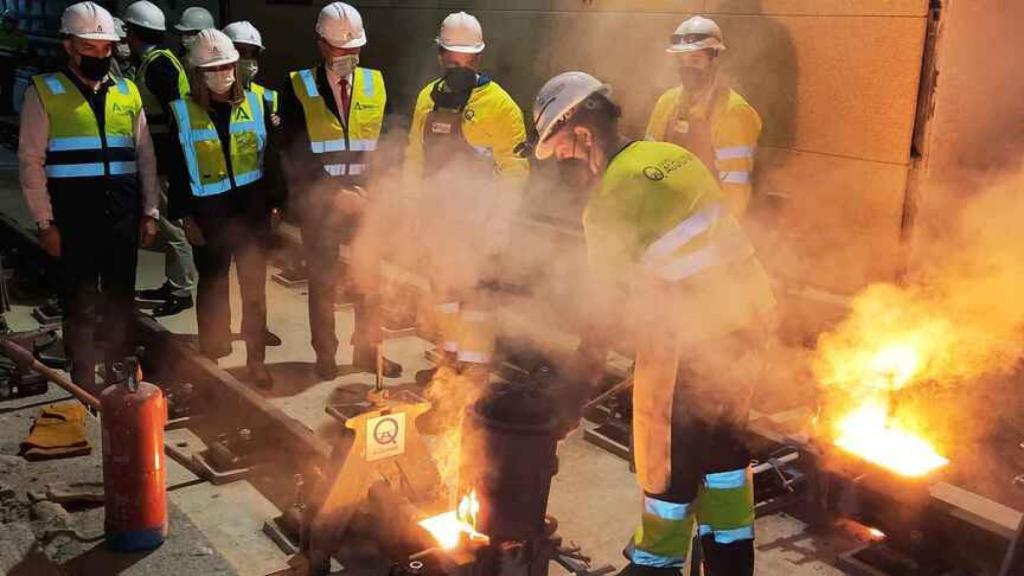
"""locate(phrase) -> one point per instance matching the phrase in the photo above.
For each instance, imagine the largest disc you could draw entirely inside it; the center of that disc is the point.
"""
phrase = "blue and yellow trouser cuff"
(726, 506)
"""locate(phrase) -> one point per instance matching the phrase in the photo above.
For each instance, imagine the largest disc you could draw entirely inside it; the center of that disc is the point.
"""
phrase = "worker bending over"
(659, 236)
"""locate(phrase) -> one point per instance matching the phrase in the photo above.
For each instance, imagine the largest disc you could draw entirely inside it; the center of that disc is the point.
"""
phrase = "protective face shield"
(344, 65)
(219, 81)
(248, 68)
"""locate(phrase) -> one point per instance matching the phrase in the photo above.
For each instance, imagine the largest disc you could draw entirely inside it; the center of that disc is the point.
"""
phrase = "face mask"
(248, 69)
(344, 65)
(122, 51)
(459, 79)
(575, 172)
(694, 79)
(94, 68)
(219, 82)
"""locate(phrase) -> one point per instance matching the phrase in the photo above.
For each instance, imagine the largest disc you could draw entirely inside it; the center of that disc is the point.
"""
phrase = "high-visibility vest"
(208, 172)
(156, 117)
(733, 128)
(269, 96)
(679, 231)
(77, 146)
(342, 148)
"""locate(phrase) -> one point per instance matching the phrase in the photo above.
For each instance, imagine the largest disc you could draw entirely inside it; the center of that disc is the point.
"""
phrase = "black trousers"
(241, 237)
(323, 233)
(97, 273)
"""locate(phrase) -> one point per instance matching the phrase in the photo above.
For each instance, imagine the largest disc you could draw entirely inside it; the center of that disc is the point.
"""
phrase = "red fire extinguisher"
(133, 415)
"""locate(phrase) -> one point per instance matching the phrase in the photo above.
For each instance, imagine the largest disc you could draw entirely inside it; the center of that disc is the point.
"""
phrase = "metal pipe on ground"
(24, 359)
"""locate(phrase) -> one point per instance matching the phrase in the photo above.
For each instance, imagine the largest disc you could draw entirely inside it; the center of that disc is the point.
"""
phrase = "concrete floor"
(594, 496)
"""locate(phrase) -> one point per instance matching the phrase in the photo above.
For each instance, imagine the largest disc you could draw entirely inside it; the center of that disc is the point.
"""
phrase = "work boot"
(326, 369)
(260, 376)
(365, 360)
(173, 305)
(155, 294)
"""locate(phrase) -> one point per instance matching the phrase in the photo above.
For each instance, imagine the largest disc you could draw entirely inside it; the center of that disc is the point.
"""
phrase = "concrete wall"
(836, 82)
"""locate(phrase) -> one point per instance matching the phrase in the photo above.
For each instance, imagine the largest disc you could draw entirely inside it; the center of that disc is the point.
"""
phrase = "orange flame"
(872, 434)
(448, 528)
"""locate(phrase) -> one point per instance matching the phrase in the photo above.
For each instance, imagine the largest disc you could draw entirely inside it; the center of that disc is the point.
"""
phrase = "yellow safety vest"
(269, 96)
(207, 168)
(342, 149)
(735, 129)
(77, 148)
(492, 124)
(659, 209)
(156, 117)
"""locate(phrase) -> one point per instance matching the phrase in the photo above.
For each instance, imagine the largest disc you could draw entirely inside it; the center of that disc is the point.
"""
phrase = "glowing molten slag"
(870, 433)
(448, 528)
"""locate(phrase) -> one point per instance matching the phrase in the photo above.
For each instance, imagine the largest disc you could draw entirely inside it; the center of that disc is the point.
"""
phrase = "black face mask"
(94, 68)
(459, 79)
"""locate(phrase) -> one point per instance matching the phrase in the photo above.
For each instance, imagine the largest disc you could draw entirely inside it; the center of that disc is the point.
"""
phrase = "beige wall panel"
(519, 5)
(819, 7)
(840, 226)
(666, 6)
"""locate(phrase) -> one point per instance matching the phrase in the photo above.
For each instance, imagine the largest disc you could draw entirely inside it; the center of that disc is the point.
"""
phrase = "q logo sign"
(385, 436)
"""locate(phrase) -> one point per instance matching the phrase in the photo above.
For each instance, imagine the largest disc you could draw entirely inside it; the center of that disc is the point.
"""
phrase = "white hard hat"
(88, 21)
(243, 32)
(212, 48)
(558, 100)
(146, 15)
(194, 19)
(119, 28)
(341, 26)
(461, 32)
(695, 34)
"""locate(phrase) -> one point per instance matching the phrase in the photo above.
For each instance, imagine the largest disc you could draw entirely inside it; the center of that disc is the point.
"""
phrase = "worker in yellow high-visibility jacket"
(695, 303)
(707, 117)
(462, 155)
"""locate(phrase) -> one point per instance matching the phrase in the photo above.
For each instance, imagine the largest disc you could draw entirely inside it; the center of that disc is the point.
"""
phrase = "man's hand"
(192, 232)
(147, 231)
(50, 239)
(351, 200)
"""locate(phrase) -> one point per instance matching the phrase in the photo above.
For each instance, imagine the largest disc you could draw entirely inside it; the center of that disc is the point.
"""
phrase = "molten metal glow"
(872, 434)
(448, 528)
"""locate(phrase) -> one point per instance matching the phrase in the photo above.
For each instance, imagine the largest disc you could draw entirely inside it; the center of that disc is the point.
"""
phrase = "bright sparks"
(872, 434)
(448, 528)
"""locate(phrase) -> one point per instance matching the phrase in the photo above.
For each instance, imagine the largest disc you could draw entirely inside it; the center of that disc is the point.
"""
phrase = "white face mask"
(219, 81)
(248, 69)
(122, 51)
(344, 65)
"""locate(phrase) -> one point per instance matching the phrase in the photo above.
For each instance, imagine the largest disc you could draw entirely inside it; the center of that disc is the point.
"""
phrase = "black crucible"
(509, 440)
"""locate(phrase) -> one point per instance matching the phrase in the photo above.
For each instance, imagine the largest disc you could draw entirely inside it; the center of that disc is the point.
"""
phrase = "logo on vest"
(361, 106)
(664, 168)
(469, 114)
(241, 114)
